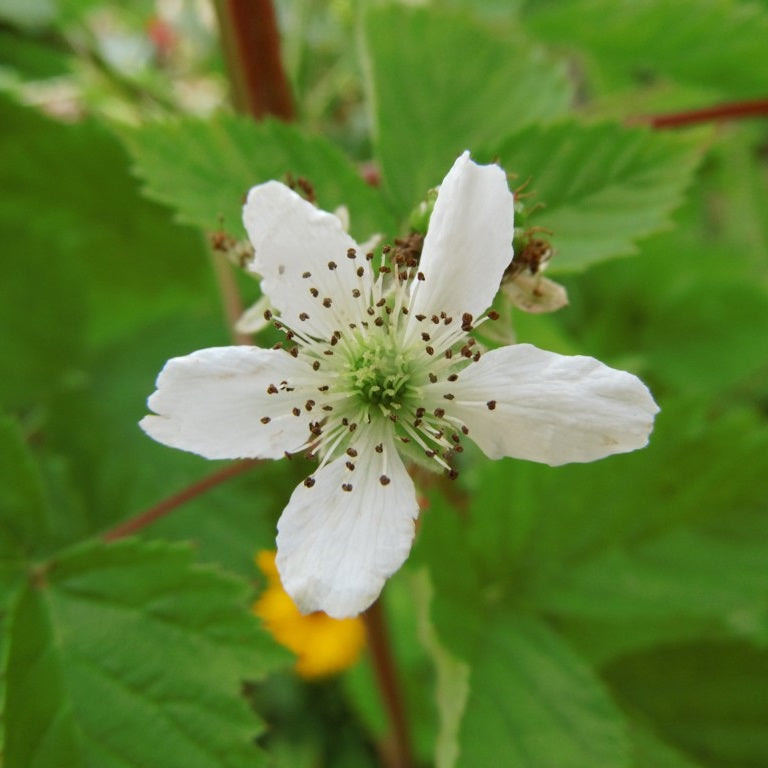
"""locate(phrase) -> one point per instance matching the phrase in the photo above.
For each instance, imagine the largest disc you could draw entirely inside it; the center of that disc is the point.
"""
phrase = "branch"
(737, 110)
(251, 43)
(388, 684)
(149, 516)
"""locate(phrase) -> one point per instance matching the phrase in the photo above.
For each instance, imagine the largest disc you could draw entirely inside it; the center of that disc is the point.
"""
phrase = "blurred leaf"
(650, 752)
(602, 187)
(533, 703)
(204, 170)
(440, 84)
(716, 43)
(708, 699)
(160, 644)
(22, 506)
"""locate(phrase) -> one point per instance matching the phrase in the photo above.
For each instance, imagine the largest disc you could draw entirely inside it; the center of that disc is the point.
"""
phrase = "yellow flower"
(324, 646)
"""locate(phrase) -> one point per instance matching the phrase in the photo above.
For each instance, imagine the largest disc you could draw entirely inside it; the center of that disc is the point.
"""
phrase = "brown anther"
(324, 388)
(429, 350)
(306, 275)
(420, 277)
(371, 311)
(420, 412)
(328, 408)
(293, 352)
(464, 429)
(350, 466)
(331, 265)
(303, 316)
(381, 302)
(346, 487)
(309, 482)
(355, 293)
(393, 417)
(267, 314)
(353, 426)
(420, 317)
(315, 293)
(316, 365)
(296, 411)
(453, 377)
(453, 473)
(308, 405)
(379, 448)
(378, 322)
(351, 253)
(448, 354)
(271, 389)
(384, 480)
(448, 396)
(439, 412)
(430, 454)
(425, 336)
(328, 352)
(476, 356)
(327, 302)
(435, 319)
(351, 452)
(265, 419)
(369, 256)
(334, 341)
(491, 405)
(493, 315)
(432, 377)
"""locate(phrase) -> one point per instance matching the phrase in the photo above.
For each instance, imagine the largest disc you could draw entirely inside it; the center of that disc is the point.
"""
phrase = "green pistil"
(379, 376)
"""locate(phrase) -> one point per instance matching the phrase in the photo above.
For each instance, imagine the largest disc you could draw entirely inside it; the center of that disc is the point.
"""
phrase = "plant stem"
(251, 43)
(398, 754)
(230, 295)
(149, 516)
(737, 110)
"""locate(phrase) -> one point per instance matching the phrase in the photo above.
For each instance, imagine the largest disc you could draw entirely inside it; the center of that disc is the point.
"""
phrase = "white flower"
(382, 363)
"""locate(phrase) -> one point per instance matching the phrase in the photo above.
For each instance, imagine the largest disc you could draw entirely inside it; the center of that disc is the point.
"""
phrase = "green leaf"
(601, 187)
(136, 657)
(22, 505)
(673, 38)
(648, 750)
(533, 703)
(708, 700)
(204, 169)
(440, 84)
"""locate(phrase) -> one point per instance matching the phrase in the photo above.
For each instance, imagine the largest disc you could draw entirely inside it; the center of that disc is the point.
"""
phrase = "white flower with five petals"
(382, 364)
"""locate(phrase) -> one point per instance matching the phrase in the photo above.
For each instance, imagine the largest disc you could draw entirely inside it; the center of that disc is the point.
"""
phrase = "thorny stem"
(398, 753)
(737, 110)
(251, 43)
(154, 513)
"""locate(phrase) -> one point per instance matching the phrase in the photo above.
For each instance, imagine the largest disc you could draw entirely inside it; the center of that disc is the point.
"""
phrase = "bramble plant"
(384, 244)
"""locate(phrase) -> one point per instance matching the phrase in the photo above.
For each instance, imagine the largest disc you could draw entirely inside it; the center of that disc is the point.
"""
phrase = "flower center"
(379, 374)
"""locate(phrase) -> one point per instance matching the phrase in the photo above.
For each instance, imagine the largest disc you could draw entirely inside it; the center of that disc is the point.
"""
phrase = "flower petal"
(212, 402)
(293, 238)
(524, 402)
(336, 548)
(469, 241)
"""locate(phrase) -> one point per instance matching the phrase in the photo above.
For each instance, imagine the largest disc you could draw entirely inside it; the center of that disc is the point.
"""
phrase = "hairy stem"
(154, 513)
(397, 753)
(737, 110)
(251, 43)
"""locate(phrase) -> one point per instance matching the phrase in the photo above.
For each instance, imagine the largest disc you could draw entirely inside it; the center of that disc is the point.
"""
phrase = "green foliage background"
(605, 615)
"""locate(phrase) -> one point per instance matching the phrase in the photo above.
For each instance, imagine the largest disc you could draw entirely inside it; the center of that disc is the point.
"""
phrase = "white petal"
(469, 241)
(212, 401)
(336, 548)
(291, 238)
(551, 408)
(253, 319)
(535, 293)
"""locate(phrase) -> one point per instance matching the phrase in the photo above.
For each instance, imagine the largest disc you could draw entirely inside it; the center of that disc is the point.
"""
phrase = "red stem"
(149, 516)
(386, 678)
(737, 110)
(251, 44)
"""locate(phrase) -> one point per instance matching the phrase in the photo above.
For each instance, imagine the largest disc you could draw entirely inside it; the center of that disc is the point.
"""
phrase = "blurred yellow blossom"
(324, 646)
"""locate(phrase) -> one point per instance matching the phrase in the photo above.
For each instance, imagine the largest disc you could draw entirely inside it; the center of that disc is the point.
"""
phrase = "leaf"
(440, 84)
(136, 657)
(708, 699)
(22, 506)
(204, 169)
(602, 187)
(533, 703)
(648, 750)
(674, 38)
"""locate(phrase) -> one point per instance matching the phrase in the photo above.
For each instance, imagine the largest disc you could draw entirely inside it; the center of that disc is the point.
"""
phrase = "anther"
(328, 408)
(360, 271)
(306, 275)
(435, 319)
(308, 405)
(466, 322)
(432, 378)
(268, 314)
(464, 429)
(327, 302)
(315, 293)
(379, 448)
(350, 466)
(453, 377)
(316, 365)
(346, 487)
(453, 473)
(378, 322)
(420, 277)
(476, 357)
(448, 354)
(271, 389)
(448, 396)
(309, 482)
(356, 293)
(324, 388)
(351, 452)
(420, 412)
(493, 315)
(351, 253)
(331, 265)
(439, 412)
(491, 405)
(429, 350)
(328, 352)
(265, 419)
(381, 302)
(303, 316)
(296, 411)
(384, 480)
(420, 317)
(425, 336)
